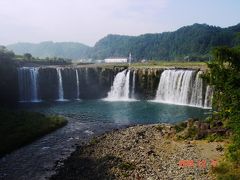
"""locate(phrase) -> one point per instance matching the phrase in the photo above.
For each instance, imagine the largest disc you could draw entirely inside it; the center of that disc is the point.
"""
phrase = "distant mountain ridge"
(194, 40)
(72, 50)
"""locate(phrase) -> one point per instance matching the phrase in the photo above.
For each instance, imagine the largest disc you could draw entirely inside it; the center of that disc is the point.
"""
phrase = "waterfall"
(133, 84)
(34, 82)
(77, 84)
(127, 86)
(208, 97)
(60, 86)
(28, 84)
(120, 88)
(86, 75)
(174, 86)
(197, 91)
(183, 87)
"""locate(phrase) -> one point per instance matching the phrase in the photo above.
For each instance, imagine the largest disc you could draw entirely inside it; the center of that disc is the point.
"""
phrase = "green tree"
(28, 56)
(8, 77)
(5, 54)
(224, 75)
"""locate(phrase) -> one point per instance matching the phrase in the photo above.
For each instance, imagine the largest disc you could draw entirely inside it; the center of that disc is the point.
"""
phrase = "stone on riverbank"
(140, 152)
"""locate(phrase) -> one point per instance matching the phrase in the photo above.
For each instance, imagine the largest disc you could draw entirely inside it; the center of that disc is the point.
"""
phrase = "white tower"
(129, 58)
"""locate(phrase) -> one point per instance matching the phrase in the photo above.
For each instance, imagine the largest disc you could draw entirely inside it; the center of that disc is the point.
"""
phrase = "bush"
(192, 132)
(224, 75)
(126, 166)
(214, 137)
(226, 171)
(180, 126)
(18, 128)
(234, 153)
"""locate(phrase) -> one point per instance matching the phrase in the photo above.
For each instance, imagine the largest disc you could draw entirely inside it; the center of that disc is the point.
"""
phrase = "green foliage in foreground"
(227, 171)
(8, 77)
(224, 75)
(18, 128)
(180, 126)
(215, 138)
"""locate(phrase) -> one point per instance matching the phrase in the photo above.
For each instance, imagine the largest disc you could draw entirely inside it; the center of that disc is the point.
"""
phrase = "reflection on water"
(86, 119)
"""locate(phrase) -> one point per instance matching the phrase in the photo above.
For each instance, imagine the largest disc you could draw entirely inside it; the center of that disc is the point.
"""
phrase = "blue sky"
(87, 21)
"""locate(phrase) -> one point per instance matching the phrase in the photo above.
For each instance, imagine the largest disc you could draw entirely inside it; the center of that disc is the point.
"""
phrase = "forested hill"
(193, 41)
(70, 50)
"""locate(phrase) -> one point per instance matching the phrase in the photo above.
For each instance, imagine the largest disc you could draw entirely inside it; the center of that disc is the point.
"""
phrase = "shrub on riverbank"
(18, 128)
(224, 76)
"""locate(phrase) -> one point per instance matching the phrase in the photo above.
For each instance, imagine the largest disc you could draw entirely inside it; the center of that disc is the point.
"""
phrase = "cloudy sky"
(87, 21)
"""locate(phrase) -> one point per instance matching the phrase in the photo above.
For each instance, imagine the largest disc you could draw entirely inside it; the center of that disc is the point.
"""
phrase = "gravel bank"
(140, 152)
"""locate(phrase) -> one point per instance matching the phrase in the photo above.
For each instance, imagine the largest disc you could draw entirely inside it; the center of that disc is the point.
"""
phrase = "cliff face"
(147, 81)
(95, 83)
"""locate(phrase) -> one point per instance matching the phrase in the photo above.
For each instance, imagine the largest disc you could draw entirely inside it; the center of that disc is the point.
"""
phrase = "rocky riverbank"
(142, 152)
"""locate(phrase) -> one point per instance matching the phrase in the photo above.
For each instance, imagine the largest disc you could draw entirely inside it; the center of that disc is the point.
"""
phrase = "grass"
(18, 128)
(171, 64)
(94, 141)
(227, 171)
(126, 166)
(215, 137)
(158, 64)
(180, 126)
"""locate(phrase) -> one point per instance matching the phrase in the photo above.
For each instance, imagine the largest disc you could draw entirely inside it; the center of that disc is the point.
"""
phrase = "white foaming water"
(34, 81)
(184, 88)
(197, 91)
(174, 86)
(120, 90)
(77, 84)
(28, 84)
(126, 91)
(208, 97)
(60, 86)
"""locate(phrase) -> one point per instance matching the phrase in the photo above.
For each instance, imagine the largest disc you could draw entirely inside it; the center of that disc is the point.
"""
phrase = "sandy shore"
(141, 152)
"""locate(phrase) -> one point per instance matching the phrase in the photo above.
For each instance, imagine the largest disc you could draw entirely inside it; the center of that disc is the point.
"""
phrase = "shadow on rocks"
(85, 168)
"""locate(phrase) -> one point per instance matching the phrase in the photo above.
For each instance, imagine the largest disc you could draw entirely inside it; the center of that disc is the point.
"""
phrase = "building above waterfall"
(116, 60)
